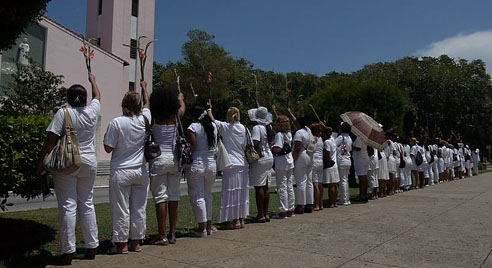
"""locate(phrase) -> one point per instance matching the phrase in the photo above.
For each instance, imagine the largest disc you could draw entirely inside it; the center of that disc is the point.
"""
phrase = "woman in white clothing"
(304, 144)
(361, 166)
(476, 160)
(373, 172)
(165, 170)
(260, 171)
(234, 201)
(383, 176)
(284, 167)
(318, 178)
(344, 147)
(128, 178)
(74, 191)
(202, 136)
(330, 173)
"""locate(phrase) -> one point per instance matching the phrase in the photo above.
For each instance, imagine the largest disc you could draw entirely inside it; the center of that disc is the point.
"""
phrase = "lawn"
(31, 237)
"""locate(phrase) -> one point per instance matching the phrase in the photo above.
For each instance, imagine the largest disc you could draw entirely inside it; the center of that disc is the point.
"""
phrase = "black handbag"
(327, 162)
(183, 148)
(151, 148)
(286, 149)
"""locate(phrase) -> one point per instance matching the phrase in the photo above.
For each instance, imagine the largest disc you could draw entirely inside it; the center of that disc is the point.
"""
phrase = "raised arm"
(96, 94)
(182, 105)
(274, 110)
(209, 111)
(294, 119)
(145, 96)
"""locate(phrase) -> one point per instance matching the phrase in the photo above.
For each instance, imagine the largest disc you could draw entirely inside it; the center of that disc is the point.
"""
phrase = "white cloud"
(471, 46)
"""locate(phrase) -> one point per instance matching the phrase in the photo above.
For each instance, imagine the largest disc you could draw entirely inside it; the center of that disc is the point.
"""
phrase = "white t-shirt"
(126, 135)
(259, 133)
(362, 153)
(331, 147)
(374, 160)
(303, 136)
(343, 155)
(283, 162)
(84, 120)
(202, 150)
(318, 154)
(234, 139)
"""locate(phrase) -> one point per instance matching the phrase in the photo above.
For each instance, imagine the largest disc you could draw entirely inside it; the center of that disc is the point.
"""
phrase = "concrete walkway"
(447, 225)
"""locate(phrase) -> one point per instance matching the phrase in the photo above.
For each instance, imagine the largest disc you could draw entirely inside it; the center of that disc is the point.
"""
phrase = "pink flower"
(142, 54)
(82, 49)
(91, 54)
(209, 77)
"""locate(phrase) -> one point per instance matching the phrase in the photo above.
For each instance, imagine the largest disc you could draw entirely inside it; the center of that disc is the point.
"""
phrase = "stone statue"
(23, 53)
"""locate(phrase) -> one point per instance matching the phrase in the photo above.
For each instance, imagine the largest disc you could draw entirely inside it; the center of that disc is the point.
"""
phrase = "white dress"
(234, 199)
(260, 171)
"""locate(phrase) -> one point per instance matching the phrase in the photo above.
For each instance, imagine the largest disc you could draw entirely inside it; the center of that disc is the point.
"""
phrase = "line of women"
(312, 159)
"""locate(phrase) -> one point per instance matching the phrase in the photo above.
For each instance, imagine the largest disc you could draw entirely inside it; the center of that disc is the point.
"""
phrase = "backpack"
(419, 159)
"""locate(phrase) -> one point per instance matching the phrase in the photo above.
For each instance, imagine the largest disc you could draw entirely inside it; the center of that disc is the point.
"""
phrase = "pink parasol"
(366, 128)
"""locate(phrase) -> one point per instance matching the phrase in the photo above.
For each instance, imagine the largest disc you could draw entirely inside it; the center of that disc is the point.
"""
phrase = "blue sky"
(316, 36)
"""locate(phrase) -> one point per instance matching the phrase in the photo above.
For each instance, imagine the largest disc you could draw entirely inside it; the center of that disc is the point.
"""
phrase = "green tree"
(34, 91)
(16, 16)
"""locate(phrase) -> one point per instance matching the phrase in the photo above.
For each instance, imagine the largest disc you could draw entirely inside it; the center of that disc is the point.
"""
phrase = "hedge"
(21, 140)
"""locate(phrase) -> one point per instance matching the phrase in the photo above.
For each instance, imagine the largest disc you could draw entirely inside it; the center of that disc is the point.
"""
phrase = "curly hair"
(164, 104)
(282, 124)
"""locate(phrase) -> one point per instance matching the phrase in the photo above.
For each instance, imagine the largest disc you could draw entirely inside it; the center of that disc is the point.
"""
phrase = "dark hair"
(303, 121)
(206, 123)
(345, 127)
(131, 105)
(316, 129)
(164, 103)
(77, 96)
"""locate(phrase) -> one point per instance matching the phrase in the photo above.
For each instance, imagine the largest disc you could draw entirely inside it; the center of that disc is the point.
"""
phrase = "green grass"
(31, 237)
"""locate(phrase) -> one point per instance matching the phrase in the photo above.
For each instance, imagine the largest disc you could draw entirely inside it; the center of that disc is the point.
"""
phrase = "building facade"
(116, 24)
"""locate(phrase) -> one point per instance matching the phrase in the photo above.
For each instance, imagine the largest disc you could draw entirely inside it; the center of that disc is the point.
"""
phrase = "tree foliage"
(34, 91)
(16, 16)
(420, 97)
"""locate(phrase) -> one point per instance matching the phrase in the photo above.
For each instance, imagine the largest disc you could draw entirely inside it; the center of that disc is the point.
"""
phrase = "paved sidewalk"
(447, 225)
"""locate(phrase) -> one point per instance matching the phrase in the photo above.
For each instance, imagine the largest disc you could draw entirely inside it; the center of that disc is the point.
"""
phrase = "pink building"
(114, 23)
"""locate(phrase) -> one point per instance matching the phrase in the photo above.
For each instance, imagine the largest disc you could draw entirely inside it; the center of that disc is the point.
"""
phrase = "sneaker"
(346, 203)
(211, 231)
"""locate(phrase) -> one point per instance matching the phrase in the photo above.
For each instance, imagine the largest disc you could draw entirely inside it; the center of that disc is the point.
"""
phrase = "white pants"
(435, 170)
(372, 178)
(285, 190)
(343, 172)
(304, 183)
(164, 179)
(74, 192)
(200, 192)
(128, 198)
(475, 168)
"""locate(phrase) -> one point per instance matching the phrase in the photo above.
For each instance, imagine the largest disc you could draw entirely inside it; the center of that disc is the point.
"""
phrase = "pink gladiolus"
(91, 54)
(142, 54)
(82, 49)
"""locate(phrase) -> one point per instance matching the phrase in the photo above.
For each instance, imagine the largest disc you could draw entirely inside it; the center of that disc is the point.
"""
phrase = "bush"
(21, 140)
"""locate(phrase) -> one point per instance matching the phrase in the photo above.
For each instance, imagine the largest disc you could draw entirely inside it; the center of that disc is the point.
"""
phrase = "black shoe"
(66, 259)
(90, 253)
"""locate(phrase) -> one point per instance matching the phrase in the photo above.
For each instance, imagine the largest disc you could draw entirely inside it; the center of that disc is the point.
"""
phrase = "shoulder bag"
(183, 148)
(250, 151)
(64, 158)
(151, 148)
(223, 160)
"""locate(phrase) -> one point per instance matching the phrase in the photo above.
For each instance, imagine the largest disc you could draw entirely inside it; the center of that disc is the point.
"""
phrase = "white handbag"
(223, 160)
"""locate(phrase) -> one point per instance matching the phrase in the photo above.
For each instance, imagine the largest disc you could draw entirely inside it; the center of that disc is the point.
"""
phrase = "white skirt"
(330, 175)
(234, 198)
(391, 165)
(318, 174)
(383, 169)
(260, 172)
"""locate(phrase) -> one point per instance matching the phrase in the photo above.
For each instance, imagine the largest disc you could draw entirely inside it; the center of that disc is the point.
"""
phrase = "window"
(133, 48)
(100, 7)
(131, 86)
(135, 8)
(99, 41)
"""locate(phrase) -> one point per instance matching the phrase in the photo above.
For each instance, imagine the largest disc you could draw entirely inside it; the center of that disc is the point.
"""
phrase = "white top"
(259, 133)
(476, 156)
(84, 120)
(422, 151)
(283, 162)
(343, 155)
(374, 163)
(362, 154)
(331, 147)
(234, 139)
(165, 136)
(126, 135)
(303, 136)
(202, 151)
(318, 153)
